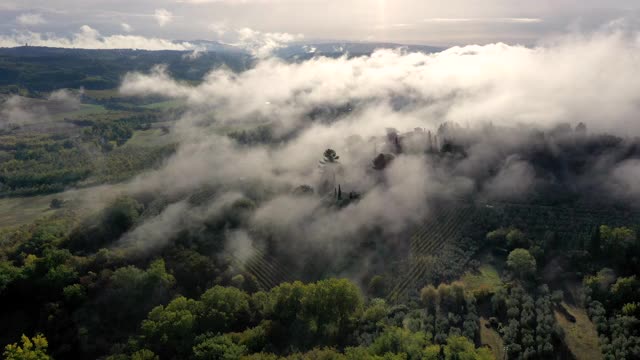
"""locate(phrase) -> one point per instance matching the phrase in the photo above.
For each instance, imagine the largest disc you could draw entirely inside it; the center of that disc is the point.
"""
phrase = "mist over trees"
(397, 205)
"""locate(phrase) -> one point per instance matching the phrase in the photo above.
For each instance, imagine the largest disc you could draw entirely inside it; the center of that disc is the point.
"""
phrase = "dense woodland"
(40, 69)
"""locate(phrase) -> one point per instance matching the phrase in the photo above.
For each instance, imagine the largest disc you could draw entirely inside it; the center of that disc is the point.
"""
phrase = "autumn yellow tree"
(30, 349)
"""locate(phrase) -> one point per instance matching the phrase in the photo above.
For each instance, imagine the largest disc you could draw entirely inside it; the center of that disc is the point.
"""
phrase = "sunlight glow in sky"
(434, 22)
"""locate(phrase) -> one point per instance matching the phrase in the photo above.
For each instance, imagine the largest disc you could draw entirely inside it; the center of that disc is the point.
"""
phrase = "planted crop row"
(266, 269)
(428, 240)
(574, 226)
(445, 229)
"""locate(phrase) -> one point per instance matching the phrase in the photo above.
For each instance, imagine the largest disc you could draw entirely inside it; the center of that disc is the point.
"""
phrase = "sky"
(430, 22)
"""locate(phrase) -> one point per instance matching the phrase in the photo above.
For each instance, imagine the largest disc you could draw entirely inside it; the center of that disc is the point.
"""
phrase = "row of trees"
(394, 344)
(527, 325)
(316, 318)
(450, 311)
(47, 166)
(613, 306)
(612, 295)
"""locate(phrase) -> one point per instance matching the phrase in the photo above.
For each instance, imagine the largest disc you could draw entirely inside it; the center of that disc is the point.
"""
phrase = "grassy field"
(487, 278)
(581, 337)
(84, 111)
(489, 337)
(102, 94)
(23, 210)
(166, 105)
(149, 138)
(16, 211)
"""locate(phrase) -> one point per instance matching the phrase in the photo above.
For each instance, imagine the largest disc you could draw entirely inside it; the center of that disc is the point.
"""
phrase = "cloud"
(263, 44)
(474, 84)
(515, 180)
(489, 21)
(20, 111)
(163, 16)
(623, 180)
(506, 101)
(30, 19)
(231, 2)
(126, 27)
(219, 28)
(157, 231)
(66, 98)
(508, 20)
(240, 245)
(260, 44)
(16, 111)
(89, 38)
(195, 54)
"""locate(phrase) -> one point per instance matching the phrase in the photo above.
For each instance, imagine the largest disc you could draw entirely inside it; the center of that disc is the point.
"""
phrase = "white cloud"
(232, 2)
(126, 27)
(195, 54)
(18, 110)
(260, 44)
(89, 38)
(514, 86)
(512, 20)
(163, 16)
(30, 19)
(263, 44)
(219, 28)
(474, 84)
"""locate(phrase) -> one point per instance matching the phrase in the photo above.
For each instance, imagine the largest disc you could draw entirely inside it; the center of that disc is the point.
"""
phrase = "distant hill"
(309, 49)
(334, 49)
(43, 69)
(213, 46)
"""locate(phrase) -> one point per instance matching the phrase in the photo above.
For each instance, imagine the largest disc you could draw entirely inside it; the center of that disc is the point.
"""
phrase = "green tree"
(332, 306)
(630, 309)
(617, 239)
(329, 157)
(432, 352)
(377, 286)
(30, 349)
(111, 223)
(625, 290)
(257, 338)
(74, 294)
(170, 329)
(516, 239)
(330, 161)
(396, 340)
(318, 354)
(497, 237)
(144, 354)
(217, 348)
(429, 298)
(461, 348)
(521, 262)
(238, 281)
(285, 302)
(56, 203)
(193, 271)
(123, 302)
(376, 312)
(225, 309)
(8, 273)
(360, 352)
